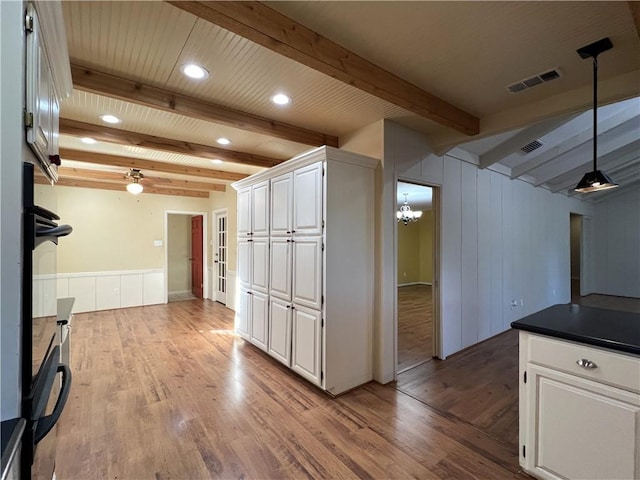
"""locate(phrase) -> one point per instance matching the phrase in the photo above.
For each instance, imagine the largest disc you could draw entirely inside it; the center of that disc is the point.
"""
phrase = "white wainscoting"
(95, 291)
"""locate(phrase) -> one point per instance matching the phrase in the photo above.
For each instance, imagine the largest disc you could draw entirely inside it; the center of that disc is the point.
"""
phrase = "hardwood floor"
(415, 327)
(169, 391)
(478, 386)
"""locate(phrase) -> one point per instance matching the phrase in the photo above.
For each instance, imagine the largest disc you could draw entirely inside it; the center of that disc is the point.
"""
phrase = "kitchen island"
(579, 393)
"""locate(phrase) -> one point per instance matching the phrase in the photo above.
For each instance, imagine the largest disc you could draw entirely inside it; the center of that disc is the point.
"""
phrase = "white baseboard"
(179, 292)
(413, 283)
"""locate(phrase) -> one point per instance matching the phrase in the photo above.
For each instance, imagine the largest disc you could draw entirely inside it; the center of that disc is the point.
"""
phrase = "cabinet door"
(307, 200)
(281, 264)
(306, 353)
(307, 271)
(581, 428)
(259, 320)
(244, 260)
(243, 312)
(260, 265)
(260, 207)
(280, 331)
(281, 204)
(244, 212)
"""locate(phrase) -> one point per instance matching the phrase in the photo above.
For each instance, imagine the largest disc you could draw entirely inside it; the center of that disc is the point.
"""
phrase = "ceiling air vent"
(538, 79)
(530, 147)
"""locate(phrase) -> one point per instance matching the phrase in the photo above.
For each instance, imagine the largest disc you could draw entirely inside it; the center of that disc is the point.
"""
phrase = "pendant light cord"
(595, 113)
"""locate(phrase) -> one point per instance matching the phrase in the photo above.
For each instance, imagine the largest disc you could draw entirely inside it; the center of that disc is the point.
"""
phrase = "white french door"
(220, 257)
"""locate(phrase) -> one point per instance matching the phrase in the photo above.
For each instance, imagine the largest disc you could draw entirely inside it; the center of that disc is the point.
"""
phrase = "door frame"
(214, 246)
(436, 291)
(205, 249)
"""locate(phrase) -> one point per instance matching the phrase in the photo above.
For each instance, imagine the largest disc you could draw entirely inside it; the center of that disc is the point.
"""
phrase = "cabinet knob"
(584, 363)
(288, 306)
(293, 231)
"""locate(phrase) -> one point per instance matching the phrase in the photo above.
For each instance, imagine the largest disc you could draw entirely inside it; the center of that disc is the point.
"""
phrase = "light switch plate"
(157, 243)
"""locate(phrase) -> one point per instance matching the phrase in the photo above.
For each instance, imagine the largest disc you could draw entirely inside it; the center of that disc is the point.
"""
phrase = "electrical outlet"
(404, 274)
(522, 302)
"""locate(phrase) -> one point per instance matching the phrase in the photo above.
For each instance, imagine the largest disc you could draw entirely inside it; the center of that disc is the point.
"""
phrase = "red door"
(196, 256)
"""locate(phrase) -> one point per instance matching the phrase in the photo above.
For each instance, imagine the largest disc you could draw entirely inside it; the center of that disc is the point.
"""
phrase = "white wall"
(12, 151)
(501, 240)
(617, 242)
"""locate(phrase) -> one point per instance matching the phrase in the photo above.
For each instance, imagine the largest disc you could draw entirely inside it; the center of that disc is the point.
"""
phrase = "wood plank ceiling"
(438, 67)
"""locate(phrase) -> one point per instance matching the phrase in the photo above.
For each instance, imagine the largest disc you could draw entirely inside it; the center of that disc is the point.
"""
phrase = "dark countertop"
(11, 434)
(594, 326)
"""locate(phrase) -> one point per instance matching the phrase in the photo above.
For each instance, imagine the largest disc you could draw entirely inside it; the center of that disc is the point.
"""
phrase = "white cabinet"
(243, 312)
(319, 274)
(244, 212)
(308, 200)
(282, 205)
(244, 260)
(307, 271)
(259, 264)
(258, 317)
(280, 330)
(307, 344)
(281, 267)
(260, 209)
(253, 210)
(578, 421)
(48, 79)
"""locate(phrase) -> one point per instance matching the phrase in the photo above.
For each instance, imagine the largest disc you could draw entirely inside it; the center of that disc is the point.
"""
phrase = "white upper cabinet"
(307, 200)
(47, 80)
(253, 210)
(282, 205)
(260, 209)
(244, 212)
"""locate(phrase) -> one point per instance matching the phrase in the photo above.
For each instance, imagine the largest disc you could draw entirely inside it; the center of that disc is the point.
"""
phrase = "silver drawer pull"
(584, 363)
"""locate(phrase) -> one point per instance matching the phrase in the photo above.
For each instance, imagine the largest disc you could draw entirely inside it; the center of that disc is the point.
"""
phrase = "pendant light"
(595, 180)
(135, 176)
(405, 214)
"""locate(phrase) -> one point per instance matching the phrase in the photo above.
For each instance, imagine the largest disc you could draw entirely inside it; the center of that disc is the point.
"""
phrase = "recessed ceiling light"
(88, 140)
(216, 160)
(223, 141)
(192, 70)
(110, 119)
(281, 99)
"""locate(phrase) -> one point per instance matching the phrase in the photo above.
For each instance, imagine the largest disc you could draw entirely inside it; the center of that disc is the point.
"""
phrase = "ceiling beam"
(606, 125)
(151, 181)
(269, 28)
(128, 90)
(584, 157)
(611, 163)
(71, 182)
(515, 143)
(147, 165)
(125, 137)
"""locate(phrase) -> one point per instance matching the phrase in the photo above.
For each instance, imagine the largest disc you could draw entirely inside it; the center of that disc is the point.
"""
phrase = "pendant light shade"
(134, 176)
(595, 180)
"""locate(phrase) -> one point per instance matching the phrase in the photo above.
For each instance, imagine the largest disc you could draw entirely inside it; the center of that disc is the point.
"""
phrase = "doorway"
(185, 255)
(220, 253)
(416, 275)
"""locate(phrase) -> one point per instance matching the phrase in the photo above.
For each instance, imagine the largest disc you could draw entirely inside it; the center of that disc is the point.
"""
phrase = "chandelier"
(405, 214)
(134, 175)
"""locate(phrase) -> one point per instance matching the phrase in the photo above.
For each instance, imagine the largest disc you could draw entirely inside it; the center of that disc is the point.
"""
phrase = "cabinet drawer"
(616, 369)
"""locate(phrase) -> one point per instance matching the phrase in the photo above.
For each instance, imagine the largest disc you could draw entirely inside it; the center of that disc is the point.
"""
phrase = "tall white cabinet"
(306, 265)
